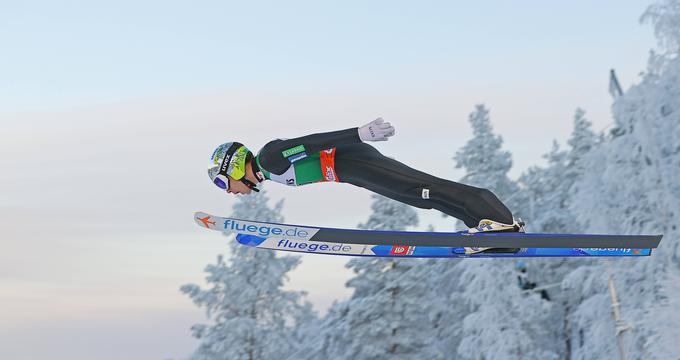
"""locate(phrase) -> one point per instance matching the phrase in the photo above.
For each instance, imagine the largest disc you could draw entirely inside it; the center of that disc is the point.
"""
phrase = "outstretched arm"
(277, 155)
(309, 144)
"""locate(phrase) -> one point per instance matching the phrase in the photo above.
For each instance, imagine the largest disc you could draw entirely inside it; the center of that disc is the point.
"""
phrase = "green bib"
(301, 172)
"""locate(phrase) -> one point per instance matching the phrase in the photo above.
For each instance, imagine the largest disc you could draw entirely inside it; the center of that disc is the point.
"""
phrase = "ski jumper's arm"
(277, 155)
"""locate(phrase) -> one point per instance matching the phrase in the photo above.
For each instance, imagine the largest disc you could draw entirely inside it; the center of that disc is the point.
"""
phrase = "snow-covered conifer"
(485, 163)
(385, 317)
(253, 318)
(548, 189)
(665, 16)
(630, 186)
(493, 319)
(546, 192)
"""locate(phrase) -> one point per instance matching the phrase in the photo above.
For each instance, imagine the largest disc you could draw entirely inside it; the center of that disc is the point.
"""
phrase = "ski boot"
(486, 225)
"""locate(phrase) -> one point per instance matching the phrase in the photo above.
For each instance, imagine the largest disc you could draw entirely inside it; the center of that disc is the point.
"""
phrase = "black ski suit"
(360, 164)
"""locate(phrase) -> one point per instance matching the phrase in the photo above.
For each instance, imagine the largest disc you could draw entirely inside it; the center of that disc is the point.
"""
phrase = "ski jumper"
(341, 156)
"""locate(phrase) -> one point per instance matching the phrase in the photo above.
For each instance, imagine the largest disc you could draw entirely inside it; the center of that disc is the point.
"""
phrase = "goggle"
(222, 182)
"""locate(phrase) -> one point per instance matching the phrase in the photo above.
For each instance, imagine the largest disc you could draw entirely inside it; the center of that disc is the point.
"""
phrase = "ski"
(424, 239)
(315, 247)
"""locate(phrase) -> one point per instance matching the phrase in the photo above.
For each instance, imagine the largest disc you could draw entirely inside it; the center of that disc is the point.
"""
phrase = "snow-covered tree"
(253, 318)
(548, 190)
(486, 314)
(479, 312)
(499, 321)
(630, 186)
(486, 164)
(546, 193)
(665, 17)
(582, 140)
(385, 317)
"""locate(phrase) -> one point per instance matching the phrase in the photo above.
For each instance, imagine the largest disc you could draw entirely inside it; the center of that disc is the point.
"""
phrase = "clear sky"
(110, 110)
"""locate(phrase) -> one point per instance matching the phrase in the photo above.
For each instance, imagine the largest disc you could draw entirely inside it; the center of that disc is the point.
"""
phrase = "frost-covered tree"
(385, 317)
(253, 318)
(485, 163)
(665, 17)
(499, 321)
(487, 316)
(548, 190)
(581, 141)
(546, 193)
(630, 186)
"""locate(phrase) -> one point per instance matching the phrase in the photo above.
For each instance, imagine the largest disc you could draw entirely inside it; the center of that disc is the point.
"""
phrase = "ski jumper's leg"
(362, 165)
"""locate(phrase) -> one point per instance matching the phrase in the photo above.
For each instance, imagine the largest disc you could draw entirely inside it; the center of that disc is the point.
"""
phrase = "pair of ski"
(350, 242)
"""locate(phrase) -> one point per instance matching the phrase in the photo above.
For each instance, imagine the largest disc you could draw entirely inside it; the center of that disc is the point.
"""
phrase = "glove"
(376, 130)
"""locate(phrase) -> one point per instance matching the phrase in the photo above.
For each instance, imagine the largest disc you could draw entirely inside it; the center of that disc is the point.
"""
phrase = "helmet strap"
(250, 184)
(256, 168)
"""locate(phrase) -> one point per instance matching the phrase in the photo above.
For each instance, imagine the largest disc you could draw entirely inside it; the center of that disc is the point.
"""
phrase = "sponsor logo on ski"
(265, 230)
(206, 221)
(303, 245)
(401, 250)
(621, 250)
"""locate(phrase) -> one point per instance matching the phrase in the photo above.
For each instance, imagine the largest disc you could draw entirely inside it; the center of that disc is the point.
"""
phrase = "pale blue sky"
(109, 112)
(72, 52)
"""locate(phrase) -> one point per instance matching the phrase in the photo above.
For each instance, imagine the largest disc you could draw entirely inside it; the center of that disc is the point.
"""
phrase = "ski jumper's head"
(231, 169)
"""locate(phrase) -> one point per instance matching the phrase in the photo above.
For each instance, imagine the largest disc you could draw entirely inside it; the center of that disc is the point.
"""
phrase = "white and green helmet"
(229, 159)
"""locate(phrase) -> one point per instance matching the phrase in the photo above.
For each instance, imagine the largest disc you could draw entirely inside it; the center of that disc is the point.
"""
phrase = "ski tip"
(205, 220)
